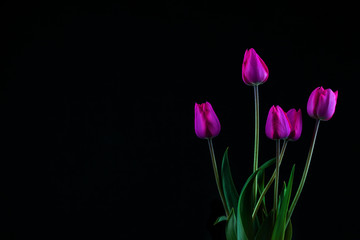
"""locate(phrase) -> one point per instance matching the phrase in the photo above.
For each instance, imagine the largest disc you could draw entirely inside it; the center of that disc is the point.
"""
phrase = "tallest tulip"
(254, 73)
(254, 69)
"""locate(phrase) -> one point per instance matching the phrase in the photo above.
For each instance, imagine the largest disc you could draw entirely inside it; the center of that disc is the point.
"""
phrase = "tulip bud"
(295, 119)
(254, 70)
(321, 104)
(207, 124)
(277, 124)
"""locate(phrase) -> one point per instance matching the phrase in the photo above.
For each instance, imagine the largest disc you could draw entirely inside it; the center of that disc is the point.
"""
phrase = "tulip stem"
(277, 172)
(306, 169)
(217, 178)
(256, 138)
(267, 187)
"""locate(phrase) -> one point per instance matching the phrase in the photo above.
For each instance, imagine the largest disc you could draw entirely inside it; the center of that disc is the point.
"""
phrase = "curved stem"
(277, 171)
(268, 185)
(217, 178)
(306, 169)
(256, 137)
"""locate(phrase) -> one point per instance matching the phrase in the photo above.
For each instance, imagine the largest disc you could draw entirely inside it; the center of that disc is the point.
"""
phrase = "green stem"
(268, 185)
(306, 169)
(217, 178)
(277, 171)
(256, 138)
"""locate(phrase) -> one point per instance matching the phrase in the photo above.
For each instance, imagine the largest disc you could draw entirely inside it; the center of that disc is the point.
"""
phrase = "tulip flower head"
(254, 70)
(321, 104)
(207, 124)
(295, 119)
(277, 124)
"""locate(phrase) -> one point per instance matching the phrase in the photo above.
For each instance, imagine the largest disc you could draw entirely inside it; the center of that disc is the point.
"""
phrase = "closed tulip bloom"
(295, 119)
(207, 124)
(277, 124)
(321, 104)
(254, 70)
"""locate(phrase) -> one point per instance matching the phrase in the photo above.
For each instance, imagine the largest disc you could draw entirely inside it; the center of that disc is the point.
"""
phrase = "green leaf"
(266, 228)
(230, 228)
(283, 206)
(245, 227)
(220, 219)
(231, 195)
(288, 232)
(262, 212)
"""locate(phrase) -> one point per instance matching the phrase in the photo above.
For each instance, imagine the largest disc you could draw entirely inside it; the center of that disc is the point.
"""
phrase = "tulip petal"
(321, 104)
(327, 103)
(199, 122)
(212, 121)
(295, 119)
(244, 66)
(269, 130)
(254, 69)
(277, 124)
(207, 124)
(284, 127)
(312, 102)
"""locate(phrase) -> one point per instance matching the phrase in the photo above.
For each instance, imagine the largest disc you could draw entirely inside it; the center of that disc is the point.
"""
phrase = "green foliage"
(220, 219)
(245, 226)
(288, 232)
(283, 206)
(265, 230)
(230, 192)
(264, 226)
(230, 228)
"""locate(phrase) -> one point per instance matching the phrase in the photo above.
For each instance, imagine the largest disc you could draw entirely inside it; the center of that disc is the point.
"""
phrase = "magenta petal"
(322, 103)
(200, 126)
(207, 124)
(277, 124)
(269, 129)
(295, 119)
(213, 123)
(254, 69)
(312, 102)
(326, 105)
(284, 127)
(244, 66)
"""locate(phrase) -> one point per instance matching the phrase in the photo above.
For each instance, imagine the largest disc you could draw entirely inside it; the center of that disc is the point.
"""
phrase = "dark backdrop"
(97, 115)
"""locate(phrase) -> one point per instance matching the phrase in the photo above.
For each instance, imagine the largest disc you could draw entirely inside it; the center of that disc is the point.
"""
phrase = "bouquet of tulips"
(247, 214)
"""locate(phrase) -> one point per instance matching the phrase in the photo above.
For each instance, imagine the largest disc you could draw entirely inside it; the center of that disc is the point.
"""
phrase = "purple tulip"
(207, 124)
(254, 70)
(277, 124)
(321, 104)
(295, 119)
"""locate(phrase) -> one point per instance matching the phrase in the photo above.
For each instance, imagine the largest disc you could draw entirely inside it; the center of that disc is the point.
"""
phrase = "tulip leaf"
(220, 219)
(262, 212)
(283, 206)
(266, 227)
(230, 192)
(230, 228)
(288, 232)
(245, 228)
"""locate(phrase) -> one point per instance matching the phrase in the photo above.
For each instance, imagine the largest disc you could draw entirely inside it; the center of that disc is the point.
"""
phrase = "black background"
(97, 114)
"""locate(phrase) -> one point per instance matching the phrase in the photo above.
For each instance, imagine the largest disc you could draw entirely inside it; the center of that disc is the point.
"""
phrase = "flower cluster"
(244, 219)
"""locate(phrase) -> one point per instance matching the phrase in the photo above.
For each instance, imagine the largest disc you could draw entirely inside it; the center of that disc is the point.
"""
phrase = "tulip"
(321, 104)
(254, 73)
(295, 119)
(277, 124)
(254, 70)
(277, 127)
(207, 124)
